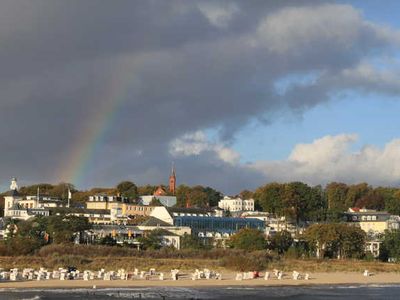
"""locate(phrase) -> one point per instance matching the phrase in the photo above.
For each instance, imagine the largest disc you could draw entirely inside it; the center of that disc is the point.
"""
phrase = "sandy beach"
(337, 278)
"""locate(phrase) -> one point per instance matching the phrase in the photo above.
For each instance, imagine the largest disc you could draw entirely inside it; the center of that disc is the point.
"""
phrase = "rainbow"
(74, 169)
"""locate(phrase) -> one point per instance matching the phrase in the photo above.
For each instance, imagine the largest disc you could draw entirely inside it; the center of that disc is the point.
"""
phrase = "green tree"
(146, 190)
(248, 239)
(189, 241)
(336, 240)
(182, 195)
(316, 205)
(108, 241)
(152, 240)
(246, 194)
(390, 247)
(198, 197)
(296, 198)
(269, 197)
(391, 198)
(281, 241)
(213, 196)
(62, 228)
(336, 195)
(128, 189)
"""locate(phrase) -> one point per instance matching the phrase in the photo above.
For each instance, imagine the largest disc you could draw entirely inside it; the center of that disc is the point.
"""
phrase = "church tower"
(11, 197)
(172, 181)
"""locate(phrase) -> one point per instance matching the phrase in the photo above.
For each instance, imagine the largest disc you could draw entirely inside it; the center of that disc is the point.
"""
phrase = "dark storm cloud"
(188, 65)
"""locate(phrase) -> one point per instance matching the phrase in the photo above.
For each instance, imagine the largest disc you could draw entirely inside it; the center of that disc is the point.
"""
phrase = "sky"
(235, 94)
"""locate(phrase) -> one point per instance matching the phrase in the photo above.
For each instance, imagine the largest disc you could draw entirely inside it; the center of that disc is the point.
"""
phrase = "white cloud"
(330, 159)
(194, 144)
(217, 13)
(342, 26)
(324, 160)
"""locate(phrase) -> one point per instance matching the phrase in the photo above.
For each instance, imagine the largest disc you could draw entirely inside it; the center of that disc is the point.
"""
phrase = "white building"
(18, 207)
(236, 204)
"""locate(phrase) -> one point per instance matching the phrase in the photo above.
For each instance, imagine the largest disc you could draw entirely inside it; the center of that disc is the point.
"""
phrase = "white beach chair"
(239, 276)
(266, 276)
(280, 275)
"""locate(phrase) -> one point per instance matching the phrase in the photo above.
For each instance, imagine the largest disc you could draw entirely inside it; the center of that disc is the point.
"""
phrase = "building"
(153, 223)
(24, 208)
(172, 181)
(373, 247)
(105, 201)
(137, 210)
(164, 200)
(203, 223)
(236, 204)
(371, 221)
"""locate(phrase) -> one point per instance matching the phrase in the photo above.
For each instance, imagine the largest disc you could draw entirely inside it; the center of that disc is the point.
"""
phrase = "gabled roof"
(152, 221)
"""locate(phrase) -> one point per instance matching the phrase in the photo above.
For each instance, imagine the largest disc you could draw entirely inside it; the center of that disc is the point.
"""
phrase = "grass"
(95, 257)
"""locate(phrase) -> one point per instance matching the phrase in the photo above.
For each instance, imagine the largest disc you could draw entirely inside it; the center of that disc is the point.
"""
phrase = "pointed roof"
(160, 191)
(152, 221)
(173, 171)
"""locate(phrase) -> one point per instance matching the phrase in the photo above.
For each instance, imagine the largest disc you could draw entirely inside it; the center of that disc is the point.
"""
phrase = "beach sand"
(334, 278)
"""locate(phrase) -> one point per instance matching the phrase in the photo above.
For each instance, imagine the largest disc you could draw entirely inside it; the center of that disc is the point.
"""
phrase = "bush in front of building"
(248, 239)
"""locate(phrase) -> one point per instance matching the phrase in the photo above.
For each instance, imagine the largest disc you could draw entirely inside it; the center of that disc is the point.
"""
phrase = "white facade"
(23, 208)
(168, 201)
(161, 213)
(106, 198)
(236, 204)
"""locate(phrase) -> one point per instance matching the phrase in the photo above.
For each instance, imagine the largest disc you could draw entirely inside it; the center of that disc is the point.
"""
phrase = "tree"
(189, 241)
(372, 200)
(316, 205)
(336, 240)
(391, 197)
(182, 194)
(246, 194)
(390, 247)
(336, 194)
(269, 197)
(248, 239)
(62, 228)
(296, 197)
(108, 241)
(213, 196)
(128, 189)
(281, 241)
(198, 197)
(356, 192)
(152, 240)
(146, 190)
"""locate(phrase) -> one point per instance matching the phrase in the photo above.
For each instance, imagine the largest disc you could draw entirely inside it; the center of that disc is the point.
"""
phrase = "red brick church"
(171, 187)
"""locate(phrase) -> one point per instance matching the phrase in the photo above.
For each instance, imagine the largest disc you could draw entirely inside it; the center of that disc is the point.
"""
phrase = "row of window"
(365, 218)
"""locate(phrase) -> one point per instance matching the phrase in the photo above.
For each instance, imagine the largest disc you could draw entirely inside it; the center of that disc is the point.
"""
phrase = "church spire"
(172, 180)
